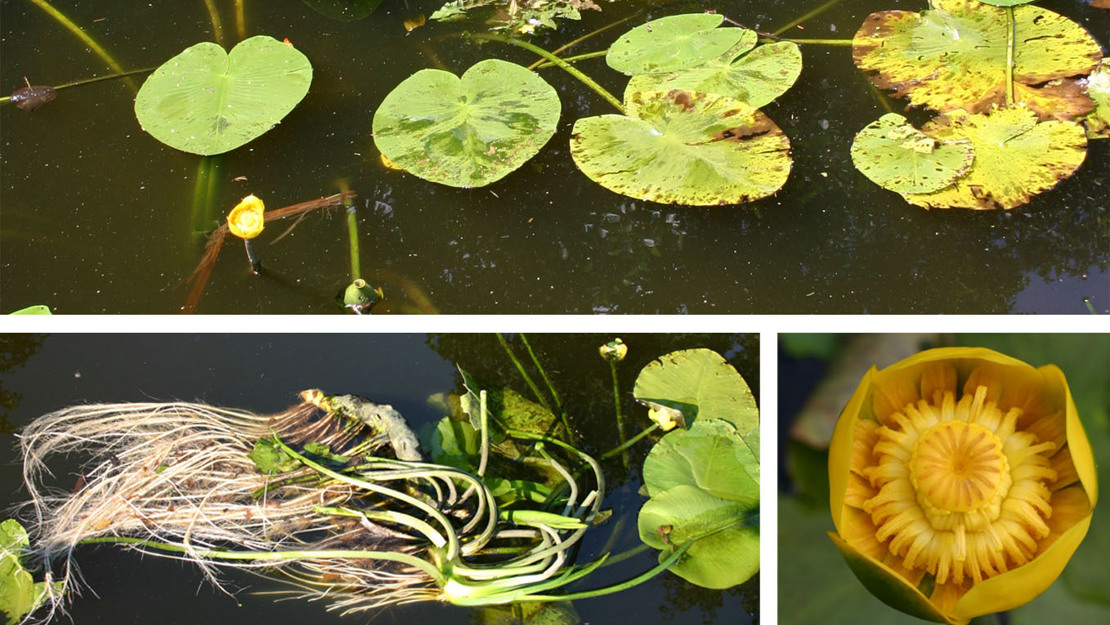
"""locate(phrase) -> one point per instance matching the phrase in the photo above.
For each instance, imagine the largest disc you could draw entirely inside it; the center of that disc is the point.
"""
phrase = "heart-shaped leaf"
(710, 455)
(469, 131)
(206, 101)
(954, 55)
(702, 385)
(899, 157)
(675, 42)
(1016, 157)
(682, 147)
(757, 76)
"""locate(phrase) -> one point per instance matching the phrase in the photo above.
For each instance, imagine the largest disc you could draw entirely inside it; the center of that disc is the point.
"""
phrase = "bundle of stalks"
(346, 510)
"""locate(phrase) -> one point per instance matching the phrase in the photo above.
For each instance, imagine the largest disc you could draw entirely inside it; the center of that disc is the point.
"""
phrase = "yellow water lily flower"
(246, 220)
(961, 482)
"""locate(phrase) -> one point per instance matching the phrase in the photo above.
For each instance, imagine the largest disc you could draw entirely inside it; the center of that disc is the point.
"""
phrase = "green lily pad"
(38, 309)
(674, 42)
(682, 147)
(702, 385)
(756, 76)
(724, 533)
(710, 455)
(897, 156)
(206, 101)
(1098, 88)
(954, 56)
(1016, 157)
(469, 131)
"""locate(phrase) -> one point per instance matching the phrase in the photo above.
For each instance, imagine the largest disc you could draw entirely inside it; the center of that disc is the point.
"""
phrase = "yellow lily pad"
(899, 157)
(1016, 157)
(954, 56)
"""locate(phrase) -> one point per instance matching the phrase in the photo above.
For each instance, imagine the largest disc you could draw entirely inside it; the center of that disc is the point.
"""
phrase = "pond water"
(97, 215)
(263, 373)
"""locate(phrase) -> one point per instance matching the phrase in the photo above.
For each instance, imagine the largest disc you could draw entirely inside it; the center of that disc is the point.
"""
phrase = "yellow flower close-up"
(247, 219)
(961, 482)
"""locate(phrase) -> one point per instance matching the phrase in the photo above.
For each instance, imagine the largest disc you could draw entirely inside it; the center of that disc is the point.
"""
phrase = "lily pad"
(469, 131)
(954, 56)
(710, 455)
(675, 42)
(1016, 157)
(702, 385)
(897, 156)
(724, 533)
(206, 101)
(756, 76)
(683, 147)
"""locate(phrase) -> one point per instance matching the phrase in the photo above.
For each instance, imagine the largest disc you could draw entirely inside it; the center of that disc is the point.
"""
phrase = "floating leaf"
(206, 101)
(1006, 3)
(466, 132)
(675, 42)
(897, 156)
(724, 533)
(757, 76)
(37, 309)
(1016, 157)
(702, 385)
(681, 147)
(710, 455)
(955, 55)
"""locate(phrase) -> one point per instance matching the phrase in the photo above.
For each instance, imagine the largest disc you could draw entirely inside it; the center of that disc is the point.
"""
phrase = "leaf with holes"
(899, 157)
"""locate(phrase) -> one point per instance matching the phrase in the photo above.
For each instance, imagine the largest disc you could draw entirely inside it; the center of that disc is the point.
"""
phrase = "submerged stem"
(567, 67)
(814, 13)
(520, 368)
(217, 25)
(632, 441)
(617, 409)
(83, 36)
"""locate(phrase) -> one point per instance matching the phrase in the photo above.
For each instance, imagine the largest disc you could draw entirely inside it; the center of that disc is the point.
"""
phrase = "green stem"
(617, 408)
(821, 42)
(87, 81)
(567, 67)
(630, 442)
(569, 59)
(1010, 36)
(523, 373)
(608, 590)
(271, 556)
(631, 553)
(205, 189)
(217, 25)
(240, 20)
(588, 35)
(352, 236)
(814, 13)
(84, 37)
(550, 388)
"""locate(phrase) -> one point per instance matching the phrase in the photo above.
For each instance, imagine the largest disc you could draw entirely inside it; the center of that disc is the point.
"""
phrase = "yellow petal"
(1078, 444)
(840, 447)
(1017, 587)
(247, 219)
(888, 586)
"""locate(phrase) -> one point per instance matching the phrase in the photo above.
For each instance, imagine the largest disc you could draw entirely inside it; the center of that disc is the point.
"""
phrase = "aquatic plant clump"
(329, 496)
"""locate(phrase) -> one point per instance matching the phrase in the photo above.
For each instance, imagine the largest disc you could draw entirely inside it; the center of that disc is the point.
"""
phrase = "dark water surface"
(263, 373)
(96, 214)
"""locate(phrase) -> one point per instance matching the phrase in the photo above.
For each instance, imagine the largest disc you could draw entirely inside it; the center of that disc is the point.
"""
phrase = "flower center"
(958, 466)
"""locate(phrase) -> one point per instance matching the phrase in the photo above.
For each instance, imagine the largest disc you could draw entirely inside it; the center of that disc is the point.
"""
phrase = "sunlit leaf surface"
(675, 42)
(468, 131)
(955, 55)
(207, 101)
(897, 156)
(1016, 157)
(682, 147)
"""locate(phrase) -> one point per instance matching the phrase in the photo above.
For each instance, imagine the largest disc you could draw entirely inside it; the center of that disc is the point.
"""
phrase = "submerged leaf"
(268, 457)
(681, 147)
(757, 76)
(897, 156)
(469, 131)
(1016, 157)
(675, 42)
(206, 101)
(954, 55)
